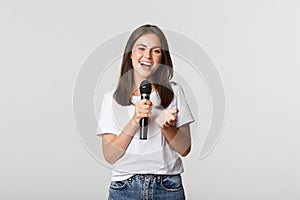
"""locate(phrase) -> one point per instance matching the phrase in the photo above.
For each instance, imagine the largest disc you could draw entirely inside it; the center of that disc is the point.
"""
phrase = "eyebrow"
(146, 46)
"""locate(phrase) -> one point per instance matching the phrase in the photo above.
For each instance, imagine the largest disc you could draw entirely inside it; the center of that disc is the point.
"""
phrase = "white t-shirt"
(150, 156)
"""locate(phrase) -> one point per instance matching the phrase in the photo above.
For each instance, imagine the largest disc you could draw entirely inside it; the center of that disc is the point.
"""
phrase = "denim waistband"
(156, 177)
(148, 186)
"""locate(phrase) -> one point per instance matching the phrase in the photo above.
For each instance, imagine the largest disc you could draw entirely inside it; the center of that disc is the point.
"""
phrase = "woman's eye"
(141, 48)
(156, 51)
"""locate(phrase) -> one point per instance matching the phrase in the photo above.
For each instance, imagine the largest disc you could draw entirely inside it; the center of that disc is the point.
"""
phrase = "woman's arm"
(179, 139)
(114, 146)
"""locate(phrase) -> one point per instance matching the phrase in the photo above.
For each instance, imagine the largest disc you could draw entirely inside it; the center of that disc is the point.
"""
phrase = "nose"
(147, 53)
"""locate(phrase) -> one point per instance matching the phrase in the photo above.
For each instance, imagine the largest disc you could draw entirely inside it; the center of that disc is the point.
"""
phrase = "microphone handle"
(144, 121)
(144, 128)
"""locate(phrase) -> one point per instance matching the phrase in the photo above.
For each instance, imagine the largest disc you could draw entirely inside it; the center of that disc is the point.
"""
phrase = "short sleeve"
(184, 115)
(107, 122)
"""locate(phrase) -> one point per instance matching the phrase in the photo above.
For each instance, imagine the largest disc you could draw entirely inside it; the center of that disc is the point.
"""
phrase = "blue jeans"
(147, 187)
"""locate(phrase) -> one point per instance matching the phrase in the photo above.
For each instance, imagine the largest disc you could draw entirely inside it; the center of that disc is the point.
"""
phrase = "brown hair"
(160, 77)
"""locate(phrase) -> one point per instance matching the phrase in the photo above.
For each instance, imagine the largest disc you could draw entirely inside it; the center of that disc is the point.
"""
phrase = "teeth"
(145, 63)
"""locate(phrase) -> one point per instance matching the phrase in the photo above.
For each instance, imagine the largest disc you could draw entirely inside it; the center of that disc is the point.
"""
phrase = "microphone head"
(145, 87)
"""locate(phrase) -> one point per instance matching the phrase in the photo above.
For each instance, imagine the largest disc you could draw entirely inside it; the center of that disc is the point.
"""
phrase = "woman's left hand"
(167, 118)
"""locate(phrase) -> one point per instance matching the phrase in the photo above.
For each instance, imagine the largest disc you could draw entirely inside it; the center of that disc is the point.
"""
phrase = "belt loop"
(158, 178)
(141, 177)
(129, 179)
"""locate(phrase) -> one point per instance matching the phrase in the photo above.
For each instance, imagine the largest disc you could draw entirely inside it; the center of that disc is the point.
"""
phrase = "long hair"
(160, 77)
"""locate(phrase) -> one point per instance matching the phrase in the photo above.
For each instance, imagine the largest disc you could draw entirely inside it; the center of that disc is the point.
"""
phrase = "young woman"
(151, 168)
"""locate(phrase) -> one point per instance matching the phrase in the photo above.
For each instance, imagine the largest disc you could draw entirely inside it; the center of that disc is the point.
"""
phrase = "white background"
(254, 44)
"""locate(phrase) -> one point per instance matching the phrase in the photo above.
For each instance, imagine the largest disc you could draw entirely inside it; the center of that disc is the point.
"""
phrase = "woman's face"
(146, 56)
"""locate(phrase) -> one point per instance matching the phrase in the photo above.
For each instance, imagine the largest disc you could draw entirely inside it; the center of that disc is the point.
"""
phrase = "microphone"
(145, 90)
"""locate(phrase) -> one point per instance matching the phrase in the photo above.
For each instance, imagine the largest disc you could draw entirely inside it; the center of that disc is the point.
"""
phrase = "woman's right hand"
(143, 108)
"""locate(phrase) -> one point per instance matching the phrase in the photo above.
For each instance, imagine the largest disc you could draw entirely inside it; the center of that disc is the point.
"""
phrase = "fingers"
(169, 123)
(167, 118)
(174, 111)
(145, 102)
(143, 109)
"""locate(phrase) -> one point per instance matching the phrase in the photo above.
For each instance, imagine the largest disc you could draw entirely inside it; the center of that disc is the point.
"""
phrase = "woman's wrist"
(134, 122)
(130, 128)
